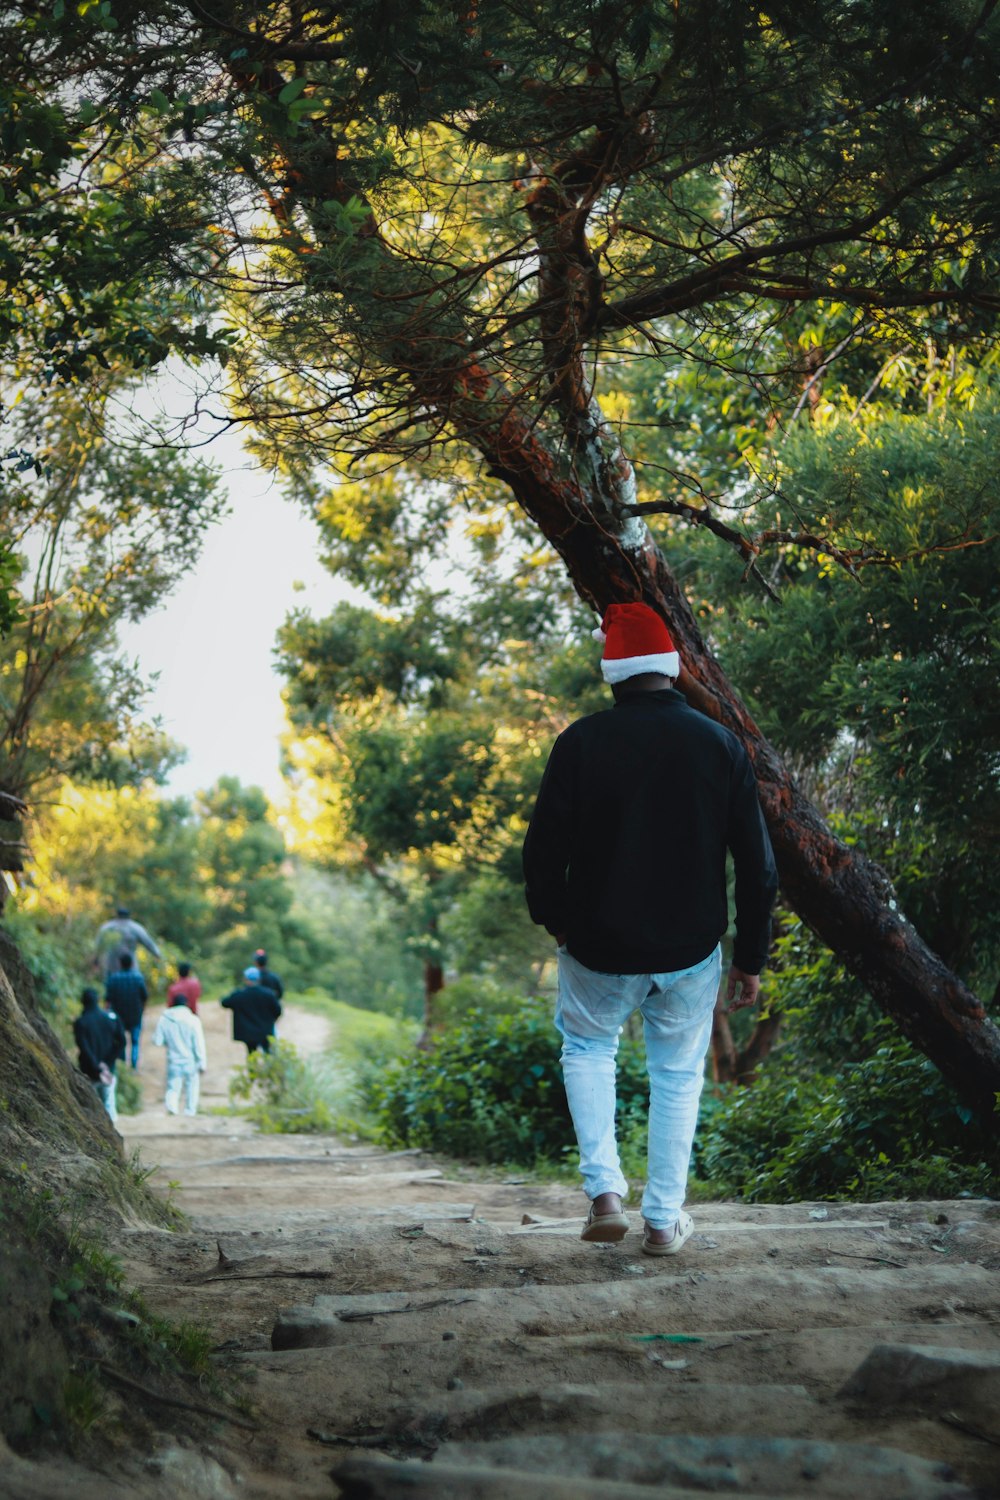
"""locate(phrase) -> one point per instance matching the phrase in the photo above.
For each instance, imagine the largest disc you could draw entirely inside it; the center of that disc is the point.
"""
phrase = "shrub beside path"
(401, 1326)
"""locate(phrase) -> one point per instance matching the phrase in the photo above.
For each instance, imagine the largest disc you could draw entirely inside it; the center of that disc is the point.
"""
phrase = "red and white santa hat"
(635, 640)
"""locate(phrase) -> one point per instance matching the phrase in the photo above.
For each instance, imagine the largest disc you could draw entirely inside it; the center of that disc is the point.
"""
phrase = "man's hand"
(749, 988)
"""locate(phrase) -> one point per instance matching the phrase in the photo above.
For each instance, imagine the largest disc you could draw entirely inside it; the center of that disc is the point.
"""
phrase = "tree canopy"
(448, 237)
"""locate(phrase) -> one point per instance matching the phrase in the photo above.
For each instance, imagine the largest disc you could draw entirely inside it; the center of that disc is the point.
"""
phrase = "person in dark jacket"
(125, 993)
(625, 864)
(255, 1009)
(100, 1040)
(267, 977)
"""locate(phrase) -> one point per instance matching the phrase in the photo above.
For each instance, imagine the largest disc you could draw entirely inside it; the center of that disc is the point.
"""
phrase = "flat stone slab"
(729, 1464)
(664, 1400)
(311, 1380)
(669, 1301)
(704, 1228)
(963, 1383)
(681, 1467)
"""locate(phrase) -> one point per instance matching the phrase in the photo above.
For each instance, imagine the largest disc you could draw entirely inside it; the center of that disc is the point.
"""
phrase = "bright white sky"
(212, 643)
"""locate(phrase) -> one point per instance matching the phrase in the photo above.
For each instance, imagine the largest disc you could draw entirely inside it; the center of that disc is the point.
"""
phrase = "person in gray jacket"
(625, 864)
(123, 934)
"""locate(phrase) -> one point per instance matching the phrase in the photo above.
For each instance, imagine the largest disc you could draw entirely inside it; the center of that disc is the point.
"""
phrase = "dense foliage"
(879, 687)
(490, 1090)
(845, 1110)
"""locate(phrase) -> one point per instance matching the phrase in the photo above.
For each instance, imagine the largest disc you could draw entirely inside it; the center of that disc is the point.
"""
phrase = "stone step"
(669, 1302)
(296, 1180)
(633, 1467)
(386, 1250)
(711, 1226)
(821, 1359)
(374, 1163)
(663, 1400)
(965, 1382)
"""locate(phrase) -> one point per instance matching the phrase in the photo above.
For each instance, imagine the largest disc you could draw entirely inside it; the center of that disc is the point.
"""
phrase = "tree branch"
(729, 275)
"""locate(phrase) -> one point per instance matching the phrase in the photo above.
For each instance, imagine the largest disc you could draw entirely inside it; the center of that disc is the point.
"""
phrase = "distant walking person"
(269, 979)
(186, 987)
(121, 935)
(125, 994)
(180, 1031)
(255, 1009)
(100, 1040)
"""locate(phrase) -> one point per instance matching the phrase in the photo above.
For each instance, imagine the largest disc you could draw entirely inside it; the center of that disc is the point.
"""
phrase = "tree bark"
(723, 1049)
(433, 985)
(730, 1065)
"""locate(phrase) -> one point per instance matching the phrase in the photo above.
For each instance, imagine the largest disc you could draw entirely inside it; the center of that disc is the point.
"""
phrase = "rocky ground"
(397, 1326)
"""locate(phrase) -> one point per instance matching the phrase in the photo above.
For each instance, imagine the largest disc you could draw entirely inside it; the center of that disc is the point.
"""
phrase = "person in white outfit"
(181, 1032)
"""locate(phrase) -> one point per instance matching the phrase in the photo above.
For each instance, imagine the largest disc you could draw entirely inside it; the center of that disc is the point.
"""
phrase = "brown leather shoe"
(605, 1229)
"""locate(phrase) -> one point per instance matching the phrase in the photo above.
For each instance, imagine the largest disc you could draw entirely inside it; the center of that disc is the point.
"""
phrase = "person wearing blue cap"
(255, 1009)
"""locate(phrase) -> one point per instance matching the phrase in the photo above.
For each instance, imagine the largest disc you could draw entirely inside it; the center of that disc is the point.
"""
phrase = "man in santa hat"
(625, 864)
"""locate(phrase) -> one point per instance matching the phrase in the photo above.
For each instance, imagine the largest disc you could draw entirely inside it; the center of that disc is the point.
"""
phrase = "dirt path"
(379, 1310)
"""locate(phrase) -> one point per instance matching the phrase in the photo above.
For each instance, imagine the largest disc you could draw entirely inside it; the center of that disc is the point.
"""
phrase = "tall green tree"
(206, 875)
(240, 856)
(478, 215)
(104, 526)
(880, 686)
(433, 724)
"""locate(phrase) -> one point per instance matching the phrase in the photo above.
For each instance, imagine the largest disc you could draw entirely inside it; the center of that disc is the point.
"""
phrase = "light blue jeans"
(108, 1095)
(591, 1010)
(182, 1077)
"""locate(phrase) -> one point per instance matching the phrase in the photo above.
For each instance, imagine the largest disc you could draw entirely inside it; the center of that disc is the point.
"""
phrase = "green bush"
(886, 1126)
(844, 1108)
(283, 1091)
(491, 1090)
(128, 1094)
(49, 959)
(475, 992)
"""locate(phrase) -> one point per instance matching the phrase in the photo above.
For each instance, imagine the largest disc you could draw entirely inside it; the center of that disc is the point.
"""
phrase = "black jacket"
(626, 850)
(255, 1009)
(125, 991)
(271, 982)
(100, 1038)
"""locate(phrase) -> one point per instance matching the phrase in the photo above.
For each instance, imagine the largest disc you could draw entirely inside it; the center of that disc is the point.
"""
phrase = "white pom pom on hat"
(635, 640)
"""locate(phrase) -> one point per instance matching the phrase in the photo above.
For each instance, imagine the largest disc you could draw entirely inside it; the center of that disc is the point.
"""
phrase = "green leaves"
(490, 1089)
(843, 1108)
(347, 218)
(292, 91)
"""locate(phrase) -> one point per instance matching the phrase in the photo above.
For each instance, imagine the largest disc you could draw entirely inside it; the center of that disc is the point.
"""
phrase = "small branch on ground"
(158, 1396)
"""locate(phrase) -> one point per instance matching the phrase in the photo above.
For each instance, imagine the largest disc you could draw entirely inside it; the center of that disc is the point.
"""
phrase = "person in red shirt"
(187, 988)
